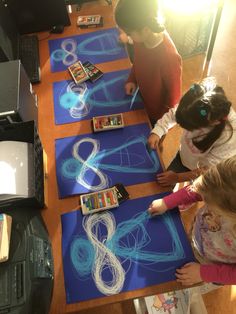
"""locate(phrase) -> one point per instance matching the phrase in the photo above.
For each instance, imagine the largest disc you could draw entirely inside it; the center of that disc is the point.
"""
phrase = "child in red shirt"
(157, 66)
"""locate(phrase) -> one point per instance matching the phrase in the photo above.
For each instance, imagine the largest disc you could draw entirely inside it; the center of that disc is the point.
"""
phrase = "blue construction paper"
(138, 249)
(91, 162)
(74, 103)
(96, 47)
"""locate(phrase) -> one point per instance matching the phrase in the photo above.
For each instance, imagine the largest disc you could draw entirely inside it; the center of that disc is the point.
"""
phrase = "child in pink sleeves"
(213, 233)
(214, 228)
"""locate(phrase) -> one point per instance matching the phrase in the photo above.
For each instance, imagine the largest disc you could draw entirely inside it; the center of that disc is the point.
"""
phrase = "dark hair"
(199, 108)
(134, 15)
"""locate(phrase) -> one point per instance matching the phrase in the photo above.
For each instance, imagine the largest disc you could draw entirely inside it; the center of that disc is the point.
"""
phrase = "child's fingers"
(152, 145)
(181, 271)
(187, 265)
(182, 276)
(152, 209)
(164, 182)
(153, 212)
(161, 175)
(132, 89)
(156, 208)
(153, 141)
(162, 179)
(128, 91)
(165, 179)
(155, 144)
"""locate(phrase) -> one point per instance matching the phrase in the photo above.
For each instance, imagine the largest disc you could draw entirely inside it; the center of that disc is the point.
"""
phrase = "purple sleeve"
(219, 273)
(183, 196)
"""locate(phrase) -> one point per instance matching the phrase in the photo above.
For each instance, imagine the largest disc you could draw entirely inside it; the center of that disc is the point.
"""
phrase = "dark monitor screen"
(27, 16)
(38, 15)
(9, 35)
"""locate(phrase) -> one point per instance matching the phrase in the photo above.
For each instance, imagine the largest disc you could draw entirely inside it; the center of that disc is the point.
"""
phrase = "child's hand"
(153, 141)
(157, 207)
(189, 274)
(167, 178)
(130, 88)
(123, 38)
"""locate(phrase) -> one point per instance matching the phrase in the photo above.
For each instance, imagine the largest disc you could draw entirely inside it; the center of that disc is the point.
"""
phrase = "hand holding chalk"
(157, 207)
(153, 141)
(130, 88)
(133, 98)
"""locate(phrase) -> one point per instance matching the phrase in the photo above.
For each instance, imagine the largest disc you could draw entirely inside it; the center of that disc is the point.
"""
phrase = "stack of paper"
(5, 235)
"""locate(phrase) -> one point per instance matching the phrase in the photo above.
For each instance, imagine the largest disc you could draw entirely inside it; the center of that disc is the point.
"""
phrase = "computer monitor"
(38, 15)
(9, 35)
(27, 16)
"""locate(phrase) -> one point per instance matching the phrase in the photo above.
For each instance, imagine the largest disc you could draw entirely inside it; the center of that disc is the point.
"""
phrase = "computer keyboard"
(29, 56)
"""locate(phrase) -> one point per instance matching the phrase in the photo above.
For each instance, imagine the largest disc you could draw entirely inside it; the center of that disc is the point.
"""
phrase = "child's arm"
(183, 196)
(170, 177)
(219, 273)
(161, 128)
(193, 273)
(163, 125)
(125, 39)
(172, 78)
(131, 78)
(190, 175)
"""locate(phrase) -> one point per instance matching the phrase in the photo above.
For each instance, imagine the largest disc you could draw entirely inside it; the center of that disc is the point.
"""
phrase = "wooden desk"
(49, 132)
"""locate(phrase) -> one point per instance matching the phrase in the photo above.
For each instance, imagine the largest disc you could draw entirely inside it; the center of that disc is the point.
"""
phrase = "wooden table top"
(48, 132)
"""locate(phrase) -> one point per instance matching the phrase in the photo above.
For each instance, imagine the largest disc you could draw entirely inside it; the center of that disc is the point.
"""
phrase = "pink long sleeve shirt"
(213, 238)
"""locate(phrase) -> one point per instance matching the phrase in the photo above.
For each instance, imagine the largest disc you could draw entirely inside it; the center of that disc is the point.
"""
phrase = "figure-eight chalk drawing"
(104, 43)
(100, 255)
(129, 162)
(79, 100)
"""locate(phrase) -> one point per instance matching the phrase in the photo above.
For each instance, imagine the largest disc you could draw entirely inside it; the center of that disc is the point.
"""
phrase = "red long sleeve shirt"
(158, 73)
